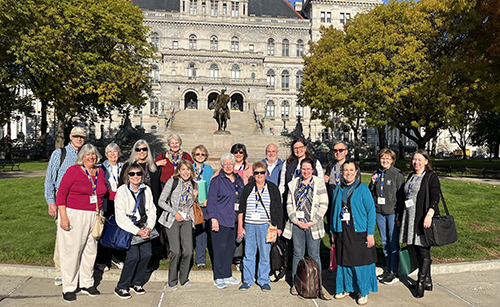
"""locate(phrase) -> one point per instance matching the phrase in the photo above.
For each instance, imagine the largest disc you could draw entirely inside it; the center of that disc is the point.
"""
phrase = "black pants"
(134, 268)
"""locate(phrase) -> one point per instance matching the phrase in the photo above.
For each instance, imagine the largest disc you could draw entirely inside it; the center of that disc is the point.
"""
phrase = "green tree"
(485, 131)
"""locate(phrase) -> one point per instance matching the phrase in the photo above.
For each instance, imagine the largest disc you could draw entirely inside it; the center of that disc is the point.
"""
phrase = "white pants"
(77, 250)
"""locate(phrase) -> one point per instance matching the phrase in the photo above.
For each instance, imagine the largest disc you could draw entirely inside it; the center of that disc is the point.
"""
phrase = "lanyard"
(199, 173)
(175, 161)
(118, 170)
(337, 178)
(239, 169)
(94, 183)
(303, 195)
(410, 186)
(257, 196)
(184, 197)
(381, 182)
(297, 171)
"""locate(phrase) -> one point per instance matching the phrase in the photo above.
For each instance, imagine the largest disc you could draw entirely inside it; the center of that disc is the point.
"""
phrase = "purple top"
(222, 197)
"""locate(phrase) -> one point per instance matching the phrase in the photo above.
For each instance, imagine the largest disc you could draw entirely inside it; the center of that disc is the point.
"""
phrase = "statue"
(221, 111)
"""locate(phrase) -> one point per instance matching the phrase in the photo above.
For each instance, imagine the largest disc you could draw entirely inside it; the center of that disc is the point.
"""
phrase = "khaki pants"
(57, 265)
(77, 250)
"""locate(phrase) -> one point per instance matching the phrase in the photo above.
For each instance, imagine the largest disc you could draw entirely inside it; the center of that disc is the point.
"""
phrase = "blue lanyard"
(175, 161)
(94, 183)
(199, 175)
(381, 182)
(303, 195)
(257, 196)
(239, 169)
(117, 173)
(337, 178)
(410, 186)
(184, 197)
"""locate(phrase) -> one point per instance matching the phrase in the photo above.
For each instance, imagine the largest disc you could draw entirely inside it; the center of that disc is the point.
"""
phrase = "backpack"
(279, 258)
(308, 279)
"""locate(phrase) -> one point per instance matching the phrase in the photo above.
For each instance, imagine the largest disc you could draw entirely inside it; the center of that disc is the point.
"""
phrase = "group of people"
(154, 199)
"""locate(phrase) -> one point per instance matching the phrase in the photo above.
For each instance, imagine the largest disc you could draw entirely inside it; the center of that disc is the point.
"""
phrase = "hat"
(78, 131)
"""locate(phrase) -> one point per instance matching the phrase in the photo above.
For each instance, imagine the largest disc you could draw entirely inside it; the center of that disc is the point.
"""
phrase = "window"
(214, 7)
(285, 109)
(251, 48)
(235, 8)
(214, 71)
(300, 47)
(252, 75)
(270, 109)
(234, 43)
(214, 43)
(224, 9)
(285, 79)
(175, 45)
(192, 6)
(344, 17)
(192, 41)
(299, 77)
(270, 78)
(154, 107)
(155, 74)
(235, 72)
(270, 46)
(285, 47)
(191, 71)
(203, 7)
(329, 17)
(155, 40)
(322, 16)
(299, 111)
(173, 72)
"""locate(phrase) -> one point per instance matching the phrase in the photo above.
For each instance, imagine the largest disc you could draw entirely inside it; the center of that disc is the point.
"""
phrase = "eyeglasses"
(298, 147)
(259, 173)
(341, 150)
(141, 149)
(132, 174)
(306, 169)
(228, 164)
(200, 154)
(239, 152)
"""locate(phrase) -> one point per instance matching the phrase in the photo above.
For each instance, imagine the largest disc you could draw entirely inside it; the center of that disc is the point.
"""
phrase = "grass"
(29, 165)
(28, 232)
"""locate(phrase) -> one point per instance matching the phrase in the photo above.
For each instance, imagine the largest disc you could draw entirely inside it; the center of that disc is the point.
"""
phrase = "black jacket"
(394, 194)
(276, 205)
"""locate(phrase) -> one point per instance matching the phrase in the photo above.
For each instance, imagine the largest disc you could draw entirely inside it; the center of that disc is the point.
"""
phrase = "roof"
(273, 8)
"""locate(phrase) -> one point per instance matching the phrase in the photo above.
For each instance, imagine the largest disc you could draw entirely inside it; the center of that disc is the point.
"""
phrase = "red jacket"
(168, 169)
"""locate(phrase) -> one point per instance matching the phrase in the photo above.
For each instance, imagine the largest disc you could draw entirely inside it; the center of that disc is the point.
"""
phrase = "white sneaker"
(58, 281)
(119, 265)
(232, 281)
(362, 300)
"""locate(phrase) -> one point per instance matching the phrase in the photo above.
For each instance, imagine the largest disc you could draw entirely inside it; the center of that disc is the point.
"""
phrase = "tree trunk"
(401, 146)
(496, 146)
(43, 130)
(381, 139)
(61, 125)
(8, 150)
(356, 140)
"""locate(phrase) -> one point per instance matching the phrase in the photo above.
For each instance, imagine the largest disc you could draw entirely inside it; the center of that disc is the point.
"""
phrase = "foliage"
(485, 130)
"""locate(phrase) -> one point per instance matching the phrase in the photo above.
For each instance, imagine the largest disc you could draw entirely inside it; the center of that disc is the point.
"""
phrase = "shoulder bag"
(272, 231)
(198, 213)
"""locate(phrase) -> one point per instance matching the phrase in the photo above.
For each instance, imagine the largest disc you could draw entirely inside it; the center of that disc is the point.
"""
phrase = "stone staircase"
(198, 126)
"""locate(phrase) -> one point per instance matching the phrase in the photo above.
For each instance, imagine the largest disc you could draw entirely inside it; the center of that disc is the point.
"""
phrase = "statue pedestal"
(222, 142)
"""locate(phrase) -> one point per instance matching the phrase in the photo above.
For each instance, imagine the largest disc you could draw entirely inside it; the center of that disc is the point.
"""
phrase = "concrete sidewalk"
(463, 284)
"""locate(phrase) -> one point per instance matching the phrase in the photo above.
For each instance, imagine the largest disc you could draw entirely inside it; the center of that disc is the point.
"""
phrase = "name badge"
(93, 199)
(299, 214)
(381, 201)
(183, 214)
(236, 207)
(255, 215)
(409, 203)
(346, 217)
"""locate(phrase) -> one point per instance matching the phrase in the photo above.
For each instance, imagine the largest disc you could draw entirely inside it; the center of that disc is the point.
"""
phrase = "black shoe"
(122, 293)
(383, 275)
(390, 279)
(91, 291)
(138, 289)
(69, 297)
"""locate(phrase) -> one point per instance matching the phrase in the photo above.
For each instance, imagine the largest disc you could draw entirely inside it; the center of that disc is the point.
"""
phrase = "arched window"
(203, 7)
(191, 71)
(300, 47)
(214, 71)
(192, 41)
(155, 40)
(270, 46)
(214, 43)
(299, 77)
(299, 111)
(224, 9)
(235, 72)
(285, 46)
(252, 75)
(270, 108)
(285, 79)
(285, 109)
(234, 43)
(270, 78)
(155, 74)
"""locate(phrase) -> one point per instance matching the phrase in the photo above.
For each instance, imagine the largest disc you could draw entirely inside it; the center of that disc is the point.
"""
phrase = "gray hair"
(227, 156)
(87, 149)
(112, 147)
(340, 142)
(149, 160)
(174, 136)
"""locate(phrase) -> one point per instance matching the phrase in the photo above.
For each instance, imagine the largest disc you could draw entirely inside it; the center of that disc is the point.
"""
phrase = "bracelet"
(429, 214)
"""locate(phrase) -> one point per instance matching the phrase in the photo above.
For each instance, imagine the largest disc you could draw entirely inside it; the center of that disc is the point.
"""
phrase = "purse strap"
(427, 199)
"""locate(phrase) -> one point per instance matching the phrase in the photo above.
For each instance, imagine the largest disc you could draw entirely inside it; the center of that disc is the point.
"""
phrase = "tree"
(85, 57)
(459, 131)
(485, 131)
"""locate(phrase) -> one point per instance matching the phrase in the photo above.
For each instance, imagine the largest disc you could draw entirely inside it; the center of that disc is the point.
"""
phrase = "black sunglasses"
(132, 174)
(141, 149)
(341, 150)
(259, 173)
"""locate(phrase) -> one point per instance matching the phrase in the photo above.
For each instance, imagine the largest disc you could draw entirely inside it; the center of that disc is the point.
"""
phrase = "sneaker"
(232, 281)
(173, 288)
(122, 293)
(58, 281)
(383, 275)
(90, 291)
(187, 284)
(390, 279)
(293, 291)
(69, 297)
(201, 266)
(244, 287)
(265, 287)
(239, 266)
(220, 284)
(340, 296)
(138, 290)
(362, 300)
(106, 269)
(118, 265)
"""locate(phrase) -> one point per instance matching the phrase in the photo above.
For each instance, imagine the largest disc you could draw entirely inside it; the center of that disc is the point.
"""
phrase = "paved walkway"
(465, 284)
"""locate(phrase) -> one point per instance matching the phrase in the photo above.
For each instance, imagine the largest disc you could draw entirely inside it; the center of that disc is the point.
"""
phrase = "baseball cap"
(78, 131)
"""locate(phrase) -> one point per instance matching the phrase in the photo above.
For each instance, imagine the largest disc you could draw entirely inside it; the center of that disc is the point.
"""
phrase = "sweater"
(167, 217)
(393, 190)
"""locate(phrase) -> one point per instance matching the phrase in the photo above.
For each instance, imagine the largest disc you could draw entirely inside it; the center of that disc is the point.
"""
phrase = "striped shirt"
(255, 211)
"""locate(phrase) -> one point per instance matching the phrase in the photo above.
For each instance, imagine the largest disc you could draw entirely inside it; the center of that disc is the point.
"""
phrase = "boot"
(423, 271)
(428, 280)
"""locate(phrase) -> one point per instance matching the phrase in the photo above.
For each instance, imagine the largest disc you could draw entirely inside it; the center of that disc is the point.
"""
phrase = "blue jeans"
(201, 234)
(256, 239)
(303, 239)
(389, 233)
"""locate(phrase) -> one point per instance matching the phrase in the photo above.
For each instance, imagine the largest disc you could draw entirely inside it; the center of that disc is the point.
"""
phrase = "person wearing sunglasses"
(203, 172)
(135, 193)
(241, 166)
(260, 206)
(167, 161)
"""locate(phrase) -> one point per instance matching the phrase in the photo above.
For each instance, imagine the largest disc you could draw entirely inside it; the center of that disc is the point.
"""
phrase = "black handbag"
(443, 230)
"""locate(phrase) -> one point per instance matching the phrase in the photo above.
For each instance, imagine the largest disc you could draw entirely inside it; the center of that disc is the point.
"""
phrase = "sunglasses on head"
(341, 150)
(141, 149)
(132, 174)
(259, 173)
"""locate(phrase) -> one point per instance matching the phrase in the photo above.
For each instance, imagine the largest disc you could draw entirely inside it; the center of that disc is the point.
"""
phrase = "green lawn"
(30, 165)
(28, 232)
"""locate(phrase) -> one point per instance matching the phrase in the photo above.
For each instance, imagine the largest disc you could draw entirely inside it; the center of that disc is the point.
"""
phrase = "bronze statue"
(221, 110)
